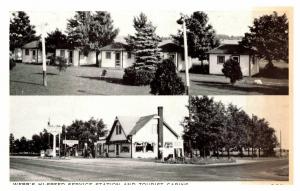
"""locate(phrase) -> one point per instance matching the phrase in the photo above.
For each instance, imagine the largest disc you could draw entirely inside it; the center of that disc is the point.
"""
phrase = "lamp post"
(42, 26)
(187, 79)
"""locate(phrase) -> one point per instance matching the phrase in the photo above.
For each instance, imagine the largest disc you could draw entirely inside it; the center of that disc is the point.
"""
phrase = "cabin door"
(71, 57)
(118, 59)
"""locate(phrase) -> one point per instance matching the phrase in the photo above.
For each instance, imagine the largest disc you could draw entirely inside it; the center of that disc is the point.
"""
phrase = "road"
(26, 169)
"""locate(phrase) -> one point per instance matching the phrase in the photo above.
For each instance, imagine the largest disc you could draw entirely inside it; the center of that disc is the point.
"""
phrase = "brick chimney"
(160, 130)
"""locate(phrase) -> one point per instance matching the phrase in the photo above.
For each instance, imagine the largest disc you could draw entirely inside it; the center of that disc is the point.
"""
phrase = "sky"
(29, 115)
(230, 22)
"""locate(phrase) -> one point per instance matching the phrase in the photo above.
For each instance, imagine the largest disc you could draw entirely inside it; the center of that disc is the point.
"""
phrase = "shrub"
(199, 69)
(138, 76)
(232, 70)
(166, 80)
(104, 72)
(61, 63)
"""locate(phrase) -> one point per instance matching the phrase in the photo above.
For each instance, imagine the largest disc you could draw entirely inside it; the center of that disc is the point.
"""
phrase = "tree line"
(217, 130)
(84, 131)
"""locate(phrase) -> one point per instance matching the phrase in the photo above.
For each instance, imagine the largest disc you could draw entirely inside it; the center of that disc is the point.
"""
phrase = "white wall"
(108, 63)
(87, 60)
(67, 54)
(254, 65)
(170, 137)
(215, 68)
(111, 63)
(127, 61)
(76, 57)
(29, 58)
(147, 134)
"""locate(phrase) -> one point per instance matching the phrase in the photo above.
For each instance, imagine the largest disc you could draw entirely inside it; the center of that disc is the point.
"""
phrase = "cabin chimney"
(160, 131)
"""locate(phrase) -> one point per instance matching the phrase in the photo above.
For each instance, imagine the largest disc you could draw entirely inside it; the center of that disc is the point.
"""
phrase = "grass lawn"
(27, 80)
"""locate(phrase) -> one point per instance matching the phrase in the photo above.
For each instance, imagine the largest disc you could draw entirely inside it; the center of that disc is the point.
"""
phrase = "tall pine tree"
(144, 43)
(20, 30)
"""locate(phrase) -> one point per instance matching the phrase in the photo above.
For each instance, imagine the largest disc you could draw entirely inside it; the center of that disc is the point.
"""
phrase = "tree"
(11, 143)
(203, 126)
(87, 132)
(20, 30)
(166, 80)
(269, 37)
(56, 39)
(23, 145)
(61, 64)
(37, 145)
(201, 36)
(144, 43)
(232, 70)
(91, 31)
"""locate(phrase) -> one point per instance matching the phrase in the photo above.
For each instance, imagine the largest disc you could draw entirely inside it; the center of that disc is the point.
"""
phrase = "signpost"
(54, 130)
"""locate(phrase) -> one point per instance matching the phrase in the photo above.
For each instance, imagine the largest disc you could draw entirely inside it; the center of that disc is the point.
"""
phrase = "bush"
(104, 72)
(232, 70)
(166, 80)
(61, 63)
(51, 60)
(199, 69)
(138, 76)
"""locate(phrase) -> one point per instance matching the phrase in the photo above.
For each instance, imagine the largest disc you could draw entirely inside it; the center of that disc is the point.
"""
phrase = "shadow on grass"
(268, 90)
(274, 73)
(31, 83)
(50, 74)
(107, 79)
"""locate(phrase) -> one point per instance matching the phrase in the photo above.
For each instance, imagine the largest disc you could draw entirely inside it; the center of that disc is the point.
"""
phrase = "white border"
(10, 5)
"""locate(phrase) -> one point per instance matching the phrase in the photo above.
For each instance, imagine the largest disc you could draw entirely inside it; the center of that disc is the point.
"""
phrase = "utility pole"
(186, 60)
(44, 54)
(280, 151)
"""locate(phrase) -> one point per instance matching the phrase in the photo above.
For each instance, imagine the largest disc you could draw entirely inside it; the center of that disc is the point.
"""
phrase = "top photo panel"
(151, 52)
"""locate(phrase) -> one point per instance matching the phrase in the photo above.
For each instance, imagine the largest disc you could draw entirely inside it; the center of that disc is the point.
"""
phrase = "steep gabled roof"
(231, 49)
(140, 123)
(33, 44)
(131, 124)
(115, 46)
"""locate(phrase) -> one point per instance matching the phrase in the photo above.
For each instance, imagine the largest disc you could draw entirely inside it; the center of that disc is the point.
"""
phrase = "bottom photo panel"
(151, 138)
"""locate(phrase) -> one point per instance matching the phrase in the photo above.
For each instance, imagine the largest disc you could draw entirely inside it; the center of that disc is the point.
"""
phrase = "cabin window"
(236, 58)
(125, 149)
(221, 59)
(149, 147)
(33, 52)
(139, 147)
(168, 145)
(129, 55)
(118, 129)
(26, 52)
(62, 53)
(108, 55)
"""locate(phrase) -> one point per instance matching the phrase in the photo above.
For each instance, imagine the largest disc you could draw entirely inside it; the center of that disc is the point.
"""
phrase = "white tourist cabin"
(141, 137)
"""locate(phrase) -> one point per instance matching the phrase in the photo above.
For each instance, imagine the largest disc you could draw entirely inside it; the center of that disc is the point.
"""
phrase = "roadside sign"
(70, 142)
